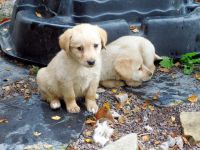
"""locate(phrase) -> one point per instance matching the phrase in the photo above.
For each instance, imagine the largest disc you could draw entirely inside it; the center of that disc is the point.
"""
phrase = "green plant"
(189, 60)
(167, 62)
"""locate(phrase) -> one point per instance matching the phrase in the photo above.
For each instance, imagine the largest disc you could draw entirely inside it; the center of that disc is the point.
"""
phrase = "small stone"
(164, 146)
(190, 122)
(128, 142)
(171, 141)
(179, 142)
(122, 97)
(100, 90)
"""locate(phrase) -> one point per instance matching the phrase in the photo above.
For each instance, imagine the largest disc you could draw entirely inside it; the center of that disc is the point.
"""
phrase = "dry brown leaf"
(38, 14)
(104, 112)
(3, 120)
(185, 140)
(197, 76)
(122, 119)
(126, 111)
(177, 64)
(165, 70)
(145, 138)
(136, 109)
(118, 106)
(156, 96)
(193, 98)
(157, 142)
(55, 117)
(145, 104)
(91, 122)
(151, 107)
(134, 29)
(114, 90)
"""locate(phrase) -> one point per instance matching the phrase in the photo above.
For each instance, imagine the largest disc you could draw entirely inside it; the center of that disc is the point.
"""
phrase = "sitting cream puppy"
(75, 70)
(129, 58)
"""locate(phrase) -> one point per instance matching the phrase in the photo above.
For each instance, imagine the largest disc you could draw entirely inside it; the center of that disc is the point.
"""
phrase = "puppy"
(129, 58)
(75, 70)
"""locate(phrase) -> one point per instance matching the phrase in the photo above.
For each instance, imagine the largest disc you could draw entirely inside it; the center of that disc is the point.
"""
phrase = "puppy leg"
(70, 99)
(112, 83)
(90, 98)
(133, 83)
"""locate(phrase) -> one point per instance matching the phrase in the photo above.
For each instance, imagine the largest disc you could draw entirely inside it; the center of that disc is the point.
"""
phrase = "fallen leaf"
(118, 106)
(114, 90)
(38, 14)
(197, 76)
(165, 70)
(35, 133)
(55, 117)
(134, 29)
(70, 147)
(122, 119)
(157, 142)
(91, 122)
(185, 140)
(145, 104)
(193, 98)
(126, 111)
(156, 96)
(177, 64)
(88, 140)
(136, 109)
(104, 112)
(150, 107)
(3, 121)
(88, 133)
(145, 138)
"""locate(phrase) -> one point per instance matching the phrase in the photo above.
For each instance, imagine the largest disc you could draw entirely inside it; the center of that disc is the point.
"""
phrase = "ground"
(156, 105)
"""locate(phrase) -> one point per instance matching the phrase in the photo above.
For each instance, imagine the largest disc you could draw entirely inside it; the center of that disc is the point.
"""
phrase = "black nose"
(91, 62)
(150, 74)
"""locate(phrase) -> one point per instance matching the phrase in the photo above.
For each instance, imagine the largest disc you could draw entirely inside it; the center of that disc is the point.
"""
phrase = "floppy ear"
(123, 66)
(103, 35)
(64, 40)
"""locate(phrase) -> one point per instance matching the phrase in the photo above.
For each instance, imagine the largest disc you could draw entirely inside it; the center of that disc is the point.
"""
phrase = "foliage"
(167, 62)
(187, 60)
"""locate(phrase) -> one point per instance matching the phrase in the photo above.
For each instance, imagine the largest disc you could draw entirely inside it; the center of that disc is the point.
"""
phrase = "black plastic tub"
(32, 34)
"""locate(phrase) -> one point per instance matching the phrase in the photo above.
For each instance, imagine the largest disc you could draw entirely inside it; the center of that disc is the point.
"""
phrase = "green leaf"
(187, 57)
(167, 62)
(188, 69)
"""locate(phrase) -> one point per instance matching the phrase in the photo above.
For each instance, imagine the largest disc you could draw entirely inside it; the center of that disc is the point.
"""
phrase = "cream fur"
(122, 60)
(69, 75)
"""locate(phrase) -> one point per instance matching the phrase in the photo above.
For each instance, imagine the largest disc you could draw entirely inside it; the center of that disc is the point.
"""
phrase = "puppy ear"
(123, 66)
(64, 40)
(103, 35)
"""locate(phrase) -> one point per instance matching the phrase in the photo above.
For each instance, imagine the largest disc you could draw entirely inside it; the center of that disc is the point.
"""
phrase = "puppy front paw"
(55, 104)
(91, 106)
(73, 108)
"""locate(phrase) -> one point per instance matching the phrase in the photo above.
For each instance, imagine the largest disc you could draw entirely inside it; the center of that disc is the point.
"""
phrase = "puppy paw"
(91, 106)
(73, 108)
(55, 104)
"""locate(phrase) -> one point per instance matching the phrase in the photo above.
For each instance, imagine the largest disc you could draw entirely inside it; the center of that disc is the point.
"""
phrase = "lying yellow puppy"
(129, 58)
(75, 70)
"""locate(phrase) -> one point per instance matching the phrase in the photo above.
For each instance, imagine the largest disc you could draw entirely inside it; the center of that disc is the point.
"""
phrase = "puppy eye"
(96, 45)
(140, 68)
(80, 48)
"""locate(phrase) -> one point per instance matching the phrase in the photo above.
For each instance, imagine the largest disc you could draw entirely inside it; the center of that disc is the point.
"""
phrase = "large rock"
(128, 142)
(191, 124)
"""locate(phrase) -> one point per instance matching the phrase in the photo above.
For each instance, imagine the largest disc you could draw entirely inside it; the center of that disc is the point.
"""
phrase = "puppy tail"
(157, 57)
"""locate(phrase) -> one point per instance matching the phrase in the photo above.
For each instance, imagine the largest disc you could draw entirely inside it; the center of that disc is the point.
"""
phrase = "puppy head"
(130, 69)
(84, 43)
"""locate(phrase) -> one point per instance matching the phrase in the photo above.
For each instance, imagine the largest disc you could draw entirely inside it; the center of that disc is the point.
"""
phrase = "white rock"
(114, 113)
(100, 90)
(190, 122)
(171, 141)
(148, 128)
(164, 146)
(102, 133)
(122, 97)
(128, 142)
(179, 142)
